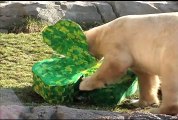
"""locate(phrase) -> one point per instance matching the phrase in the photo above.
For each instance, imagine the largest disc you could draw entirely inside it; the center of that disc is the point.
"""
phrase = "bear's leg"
(169, 82)
(169, 87)
(111, 69)
(148, 88)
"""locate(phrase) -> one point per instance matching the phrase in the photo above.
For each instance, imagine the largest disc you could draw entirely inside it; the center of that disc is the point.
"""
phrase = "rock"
(41, 112)
(8, 97)
(3, 31)
(105, 11)
(149, 116)
(50, 14)
(10, 105)
(132, 8)
(54, 112)
(63, 112)
(141, 115)
(12, 111)
(32, 9)
(12, 108)
(72, 113)
(167, 117)
(47, 12)
(7, 22)
(29, 2)
(87, 13)
(122, 8)
(82, 12)
(13, 10)
(167, 6)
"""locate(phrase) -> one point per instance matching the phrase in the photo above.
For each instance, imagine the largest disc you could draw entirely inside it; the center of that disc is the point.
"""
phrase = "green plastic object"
(57, 79)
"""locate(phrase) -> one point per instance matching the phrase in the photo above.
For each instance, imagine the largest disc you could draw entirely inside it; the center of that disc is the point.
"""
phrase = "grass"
(17, 55)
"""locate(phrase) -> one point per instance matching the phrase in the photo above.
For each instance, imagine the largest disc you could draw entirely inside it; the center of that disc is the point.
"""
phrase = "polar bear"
(148, 44)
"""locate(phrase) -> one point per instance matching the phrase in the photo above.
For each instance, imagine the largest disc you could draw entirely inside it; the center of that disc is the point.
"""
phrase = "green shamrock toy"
(57, 79)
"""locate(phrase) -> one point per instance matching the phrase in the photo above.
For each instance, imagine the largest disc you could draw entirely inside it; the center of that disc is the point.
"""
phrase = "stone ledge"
(8, 97)
(83, 12)
(63, 112)
(12, 108)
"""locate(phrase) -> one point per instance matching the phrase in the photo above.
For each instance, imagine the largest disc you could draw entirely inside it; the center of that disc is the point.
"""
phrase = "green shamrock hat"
(57, 79)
